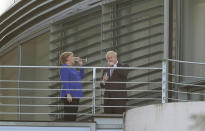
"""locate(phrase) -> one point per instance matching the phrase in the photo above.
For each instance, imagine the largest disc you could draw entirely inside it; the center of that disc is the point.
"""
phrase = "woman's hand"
(69, 98)
(80, 61)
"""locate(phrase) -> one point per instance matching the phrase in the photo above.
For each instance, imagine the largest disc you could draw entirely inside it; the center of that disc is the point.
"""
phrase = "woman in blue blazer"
(70, 97)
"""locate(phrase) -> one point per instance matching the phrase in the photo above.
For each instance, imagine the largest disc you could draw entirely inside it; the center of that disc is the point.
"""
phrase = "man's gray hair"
(111, 53)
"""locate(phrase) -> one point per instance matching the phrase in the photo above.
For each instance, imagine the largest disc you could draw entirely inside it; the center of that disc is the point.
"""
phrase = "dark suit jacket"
(117, 75)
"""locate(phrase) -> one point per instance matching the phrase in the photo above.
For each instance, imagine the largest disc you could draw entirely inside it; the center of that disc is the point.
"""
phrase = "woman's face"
(70, 60)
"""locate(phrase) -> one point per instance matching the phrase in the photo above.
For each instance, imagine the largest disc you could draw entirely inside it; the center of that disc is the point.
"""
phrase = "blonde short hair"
(63, 57)
(111, 53)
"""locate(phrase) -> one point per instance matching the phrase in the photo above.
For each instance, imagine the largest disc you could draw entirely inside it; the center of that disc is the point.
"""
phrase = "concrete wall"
(187, 116)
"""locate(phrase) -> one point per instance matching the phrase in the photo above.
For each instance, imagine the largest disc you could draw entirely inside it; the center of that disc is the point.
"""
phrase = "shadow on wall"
(199, 122)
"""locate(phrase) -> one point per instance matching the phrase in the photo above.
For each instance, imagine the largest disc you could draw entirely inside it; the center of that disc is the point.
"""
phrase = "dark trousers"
(70, 109)
(114, 102)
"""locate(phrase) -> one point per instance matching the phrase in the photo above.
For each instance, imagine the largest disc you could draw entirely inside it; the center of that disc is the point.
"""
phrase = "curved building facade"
(35, 32)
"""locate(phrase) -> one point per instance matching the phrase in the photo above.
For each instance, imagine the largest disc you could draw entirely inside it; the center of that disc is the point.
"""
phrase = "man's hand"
(69, 98)
(105, 77)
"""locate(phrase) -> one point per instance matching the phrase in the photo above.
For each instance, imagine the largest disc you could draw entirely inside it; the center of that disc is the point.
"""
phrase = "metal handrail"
(182, 87)
(83, 67)
(93, 103)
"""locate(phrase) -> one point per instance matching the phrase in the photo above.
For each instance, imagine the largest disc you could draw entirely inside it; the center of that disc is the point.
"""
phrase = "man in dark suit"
(114, 75)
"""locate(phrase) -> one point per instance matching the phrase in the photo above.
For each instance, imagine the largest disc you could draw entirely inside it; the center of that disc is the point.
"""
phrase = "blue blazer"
(71, 74)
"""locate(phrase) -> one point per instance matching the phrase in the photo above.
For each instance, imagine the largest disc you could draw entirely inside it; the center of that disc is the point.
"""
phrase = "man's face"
(111, 60)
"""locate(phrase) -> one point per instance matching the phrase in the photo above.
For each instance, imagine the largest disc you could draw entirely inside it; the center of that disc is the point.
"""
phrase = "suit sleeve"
(65, 76)
(124, 72)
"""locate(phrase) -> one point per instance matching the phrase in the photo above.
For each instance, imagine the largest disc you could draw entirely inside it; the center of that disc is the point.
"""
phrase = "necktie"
(111, 70)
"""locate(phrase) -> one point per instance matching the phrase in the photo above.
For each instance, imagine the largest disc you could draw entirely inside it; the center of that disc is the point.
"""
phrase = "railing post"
(94, 86)
(164, 81)
(19, 78)
(166, 52)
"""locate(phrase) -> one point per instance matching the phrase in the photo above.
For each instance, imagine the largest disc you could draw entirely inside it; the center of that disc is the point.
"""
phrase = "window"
(193, 46)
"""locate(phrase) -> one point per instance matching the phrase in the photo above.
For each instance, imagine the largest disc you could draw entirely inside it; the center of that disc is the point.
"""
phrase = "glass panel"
(140, 42)
(133, 28)
(81, 34)
(193, 37)
(35, 53)
(10, 58)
